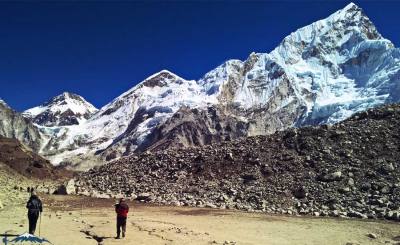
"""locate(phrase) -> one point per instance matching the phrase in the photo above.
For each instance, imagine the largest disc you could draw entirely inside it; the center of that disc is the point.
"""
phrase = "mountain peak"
(167, 71)
(66, 96)
(161, 79)
(341, 31)
(2, 102)
(162, 73)
(350, 12)
(353, 16)
(351, 6)
(62, 110)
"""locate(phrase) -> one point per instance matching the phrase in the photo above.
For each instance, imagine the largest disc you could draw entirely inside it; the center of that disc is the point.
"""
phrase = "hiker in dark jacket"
(34, 207)
(122, 210)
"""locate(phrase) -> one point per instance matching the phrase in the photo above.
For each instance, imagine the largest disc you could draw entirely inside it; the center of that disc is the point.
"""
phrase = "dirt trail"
(65, 222)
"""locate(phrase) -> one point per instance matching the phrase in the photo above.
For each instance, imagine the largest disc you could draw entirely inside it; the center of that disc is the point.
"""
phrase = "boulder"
(387, 168)
(344, 190)
(335, 176)
(229, 156)
(100, 195)
(350, 182)
(67, 188)
(247, 178)
(61, 190)
(365, 186)
(145, 196)
(300, 192)
(355, 214)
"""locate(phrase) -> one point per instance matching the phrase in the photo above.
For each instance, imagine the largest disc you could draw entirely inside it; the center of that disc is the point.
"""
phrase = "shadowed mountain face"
(320, 74)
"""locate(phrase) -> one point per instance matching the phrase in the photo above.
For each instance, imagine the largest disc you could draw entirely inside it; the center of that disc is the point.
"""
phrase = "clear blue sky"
(101, 49)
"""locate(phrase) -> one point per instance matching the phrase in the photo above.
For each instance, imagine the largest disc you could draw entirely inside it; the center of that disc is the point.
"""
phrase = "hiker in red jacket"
(122, 210)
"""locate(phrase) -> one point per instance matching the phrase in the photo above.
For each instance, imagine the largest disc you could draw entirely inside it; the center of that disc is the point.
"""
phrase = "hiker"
(34, 207)
(122, 210)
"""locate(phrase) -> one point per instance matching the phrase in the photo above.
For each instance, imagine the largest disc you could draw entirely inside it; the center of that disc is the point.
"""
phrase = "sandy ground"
(77, 220)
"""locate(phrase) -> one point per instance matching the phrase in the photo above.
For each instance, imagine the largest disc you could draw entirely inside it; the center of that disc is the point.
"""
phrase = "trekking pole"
(40, 222)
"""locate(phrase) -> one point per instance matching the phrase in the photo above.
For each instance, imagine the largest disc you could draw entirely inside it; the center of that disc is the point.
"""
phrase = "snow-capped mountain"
(321, 73)
(146, 105)
(339, 65)
(62, 110)
(124, 123)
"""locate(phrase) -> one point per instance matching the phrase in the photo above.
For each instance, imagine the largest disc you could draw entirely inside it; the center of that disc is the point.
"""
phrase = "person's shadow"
(6, 234)
(97, 238)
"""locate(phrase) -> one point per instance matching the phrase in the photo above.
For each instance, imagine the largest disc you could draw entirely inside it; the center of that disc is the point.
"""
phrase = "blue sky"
(101, 49)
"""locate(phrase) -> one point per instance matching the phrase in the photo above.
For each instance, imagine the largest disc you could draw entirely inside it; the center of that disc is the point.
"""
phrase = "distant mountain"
(322, 73)
(62, 110)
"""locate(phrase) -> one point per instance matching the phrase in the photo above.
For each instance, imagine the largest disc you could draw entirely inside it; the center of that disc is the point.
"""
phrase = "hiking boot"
(123, 234)
(118, 237)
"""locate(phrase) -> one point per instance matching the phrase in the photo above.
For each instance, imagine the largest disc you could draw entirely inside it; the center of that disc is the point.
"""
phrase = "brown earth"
(26, 162)
(65, 222)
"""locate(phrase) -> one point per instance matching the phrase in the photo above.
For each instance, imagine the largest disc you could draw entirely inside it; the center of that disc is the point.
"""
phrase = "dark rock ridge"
(24, 161)
(65, 118)
(351, 169)
(187, 127)
(196, 127)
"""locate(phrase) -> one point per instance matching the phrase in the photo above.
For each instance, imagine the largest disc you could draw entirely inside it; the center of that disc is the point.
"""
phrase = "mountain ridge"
(319, 74)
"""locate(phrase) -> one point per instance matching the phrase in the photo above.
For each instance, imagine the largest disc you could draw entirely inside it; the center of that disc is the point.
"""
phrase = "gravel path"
(66, 222)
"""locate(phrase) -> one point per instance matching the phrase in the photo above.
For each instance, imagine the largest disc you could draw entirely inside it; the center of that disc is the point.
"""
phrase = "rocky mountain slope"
(62, 110)
(348, 169)
(20, 169)
(322, 73)
(196, 127)
(23, 161)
